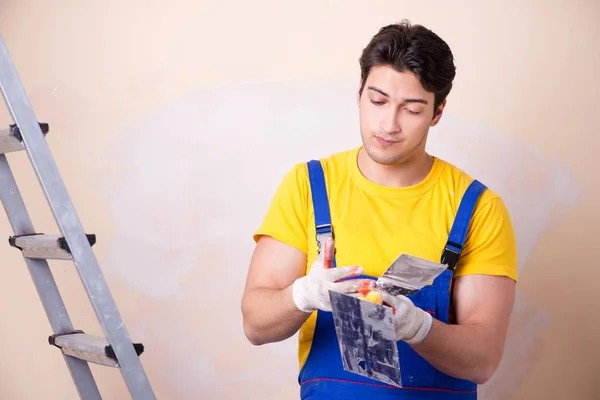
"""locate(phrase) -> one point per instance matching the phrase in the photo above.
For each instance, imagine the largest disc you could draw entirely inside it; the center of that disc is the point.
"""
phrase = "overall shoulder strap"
(460, 227)
(320, 201)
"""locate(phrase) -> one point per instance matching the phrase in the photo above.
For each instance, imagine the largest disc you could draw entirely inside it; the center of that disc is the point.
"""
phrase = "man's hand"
(311, 292)
(412, 323)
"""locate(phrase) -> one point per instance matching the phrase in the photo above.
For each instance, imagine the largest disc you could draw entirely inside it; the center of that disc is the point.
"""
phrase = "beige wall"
(151, 104)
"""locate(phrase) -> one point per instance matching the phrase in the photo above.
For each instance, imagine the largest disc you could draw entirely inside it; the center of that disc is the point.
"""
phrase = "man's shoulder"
(490, 247)
(337, 159)
(332, 164)
(458, 181)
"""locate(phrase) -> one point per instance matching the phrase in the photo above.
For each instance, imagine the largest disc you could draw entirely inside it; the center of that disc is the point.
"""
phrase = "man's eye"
(377, 103)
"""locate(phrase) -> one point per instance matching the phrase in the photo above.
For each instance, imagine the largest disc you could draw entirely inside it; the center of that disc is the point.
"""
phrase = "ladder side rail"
(43, 280)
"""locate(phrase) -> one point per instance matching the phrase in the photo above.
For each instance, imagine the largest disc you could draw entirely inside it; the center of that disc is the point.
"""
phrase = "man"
(382, 199)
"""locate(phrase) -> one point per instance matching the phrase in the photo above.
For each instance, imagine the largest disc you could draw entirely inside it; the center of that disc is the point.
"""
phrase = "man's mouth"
(385, 142)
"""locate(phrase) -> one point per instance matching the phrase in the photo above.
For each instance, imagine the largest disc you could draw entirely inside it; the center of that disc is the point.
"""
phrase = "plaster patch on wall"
(190, 183)
(188, 177)
(193, 350)
(523, 350)
(174, 362)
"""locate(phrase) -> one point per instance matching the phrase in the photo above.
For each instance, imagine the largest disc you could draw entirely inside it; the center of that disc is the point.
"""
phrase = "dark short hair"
(414, 48)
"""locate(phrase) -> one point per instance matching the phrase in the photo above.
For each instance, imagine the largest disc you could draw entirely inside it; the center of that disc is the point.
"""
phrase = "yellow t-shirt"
(374, 224)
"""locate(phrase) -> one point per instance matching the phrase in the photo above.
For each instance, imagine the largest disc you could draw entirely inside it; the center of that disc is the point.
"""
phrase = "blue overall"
(323, 378)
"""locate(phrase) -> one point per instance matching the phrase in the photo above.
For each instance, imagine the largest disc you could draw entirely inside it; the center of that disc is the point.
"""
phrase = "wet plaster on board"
(195, 180)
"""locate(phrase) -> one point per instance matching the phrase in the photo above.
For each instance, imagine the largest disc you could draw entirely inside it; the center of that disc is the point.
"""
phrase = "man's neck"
(407, 173)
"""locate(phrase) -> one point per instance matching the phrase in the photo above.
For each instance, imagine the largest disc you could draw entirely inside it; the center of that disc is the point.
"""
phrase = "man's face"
(395, 115)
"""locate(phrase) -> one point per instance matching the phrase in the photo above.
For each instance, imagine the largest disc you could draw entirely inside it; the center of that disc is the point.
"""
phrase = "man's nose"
(389, 123)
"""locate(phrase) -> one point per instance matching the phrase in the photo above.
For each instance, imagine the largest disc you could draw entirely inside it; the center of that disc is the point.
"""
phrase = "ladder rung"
(90, 348)
(11, 139)
(47, 247)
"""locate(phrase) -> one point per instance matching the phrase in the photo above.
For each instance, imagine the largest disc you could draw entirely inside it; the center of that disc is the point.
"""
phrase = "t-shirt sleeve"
(287, 216)
(490, 246)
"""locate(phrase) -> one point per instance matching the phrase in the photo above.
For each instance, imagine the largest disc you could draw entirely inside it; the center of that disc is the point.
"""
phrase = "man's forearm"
(461, 351)
(270, 315)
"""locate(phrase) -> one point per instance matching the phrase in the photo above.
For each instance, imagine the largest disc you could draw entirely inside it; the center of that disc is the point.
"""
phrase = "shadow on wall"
(189, 184)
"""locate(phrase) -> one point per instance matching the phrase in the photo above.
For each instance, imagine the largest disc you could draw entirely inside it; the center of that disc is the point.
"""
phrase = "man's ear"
(438, 114)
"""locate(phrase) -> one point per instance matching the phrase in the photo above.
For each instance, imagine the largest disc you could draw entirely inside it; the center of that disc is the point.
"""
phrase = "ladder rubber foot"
(47, 247)
(89, 348)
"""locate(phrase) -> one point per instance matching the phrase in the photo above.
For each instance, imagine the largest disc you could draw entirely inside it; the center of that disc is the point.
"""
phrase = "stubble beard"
(393, 158)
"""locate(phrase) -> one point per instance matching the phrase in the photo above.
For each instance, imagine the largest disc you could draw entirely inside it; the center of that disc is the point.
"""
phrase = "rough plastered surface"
(188, 184)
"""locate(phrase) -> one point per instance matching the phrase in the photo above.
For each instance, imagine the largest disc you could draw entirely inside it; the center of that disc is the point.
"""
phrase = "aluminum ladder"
(115, 349)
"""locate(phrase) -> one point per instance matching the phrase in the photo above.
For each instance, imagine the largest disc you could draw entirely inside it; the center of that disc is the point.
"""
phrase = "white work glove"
(311, 292)
(412, 323)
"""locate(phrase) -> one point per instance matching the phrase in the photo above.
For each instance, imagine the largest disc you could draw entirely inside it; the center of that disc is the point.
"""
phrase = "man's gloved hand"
(412, 323)
(311, 292)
